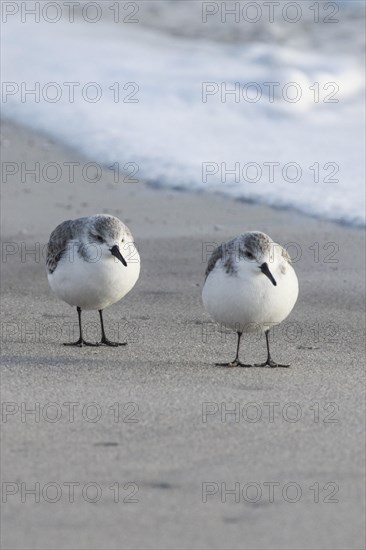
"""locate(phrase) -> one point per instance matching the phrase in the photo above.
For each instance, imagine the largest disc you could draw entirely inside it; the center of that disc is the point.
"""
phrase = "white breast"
(94, 285)
(247, 300)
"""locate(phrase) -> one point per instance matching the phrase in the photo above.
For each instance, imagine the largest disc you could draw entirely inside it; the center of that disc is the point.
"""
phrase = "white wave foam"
(170, 133)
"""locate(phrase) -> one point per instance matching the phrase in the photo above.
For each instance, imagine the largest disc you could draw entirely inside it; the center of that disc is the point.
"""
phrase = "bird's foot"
(234, 363)
(272, 364)
(106, 342)
(80, 343)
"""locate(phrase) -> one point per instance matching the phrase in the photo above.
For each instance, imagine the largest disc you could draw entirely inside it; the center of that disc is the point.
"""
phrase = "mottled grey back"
(216, 255)
(59, 239)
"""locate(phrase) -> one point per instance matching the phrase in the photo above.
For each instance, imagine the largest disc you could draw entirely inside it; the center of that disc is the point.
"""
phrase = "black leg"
(236, 362)
(269, 362)
(105, 340)
(81, 340)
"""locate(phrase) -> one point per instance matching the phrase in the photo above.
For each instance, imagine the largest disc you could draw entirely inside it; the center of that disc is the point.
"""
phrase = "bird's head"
(260, 253)
(109, 237)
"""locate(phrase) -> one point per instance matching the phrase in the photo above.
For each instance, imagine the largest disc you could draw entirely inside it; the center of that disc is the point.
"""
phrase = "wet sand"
(158, 438)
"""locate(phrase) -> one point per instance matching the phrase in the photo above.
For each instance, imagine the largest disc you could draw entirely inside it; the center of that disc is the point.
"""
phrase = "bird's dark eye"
(249, 255)
(99, 239)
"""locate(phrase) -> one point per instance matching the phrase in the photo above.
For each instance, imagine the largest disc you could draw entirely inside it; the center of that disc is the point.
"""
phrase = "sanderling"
(250, 285)
(86, 267)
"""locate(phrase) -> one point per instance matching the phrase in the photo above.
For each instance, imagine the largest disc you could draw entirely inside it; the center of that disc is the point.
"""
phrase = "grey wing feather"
(216, 255)
(57, 245)
(286, 255)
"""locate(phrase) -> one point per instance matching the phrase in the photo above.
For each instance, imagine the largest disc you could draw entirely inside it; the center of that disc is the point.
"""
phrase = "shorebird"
(250, 285)
(92, 263)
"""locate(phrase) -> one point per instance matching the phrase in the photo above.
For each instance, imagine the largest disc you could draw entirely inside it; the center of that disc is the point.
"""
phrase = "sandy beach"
(145, 425)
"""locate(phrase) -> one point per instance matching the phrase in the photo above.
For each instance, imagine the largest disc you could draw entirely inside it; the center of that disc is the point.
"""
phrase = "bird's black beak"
(115, 252)
(265, 269)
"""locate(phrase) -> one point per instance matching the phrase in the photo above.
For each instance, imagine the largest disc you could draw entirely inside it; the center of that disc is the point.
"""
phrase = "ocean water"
(194, 98)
